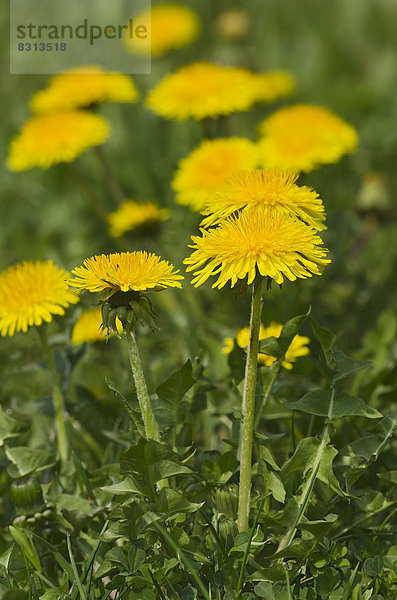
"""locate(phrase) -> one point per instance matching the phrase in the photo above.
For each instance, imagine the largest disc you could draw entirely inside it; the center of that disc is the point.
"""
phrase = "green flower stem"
(149, 421)
(57, 397)
(249, 407)
(111, 181)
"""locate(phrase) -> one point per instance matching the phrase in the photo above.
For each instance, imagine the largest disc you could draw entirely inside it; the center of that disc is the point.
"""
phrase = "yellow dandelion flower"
(274, 85)
(133, 215)
(125, 271)
(46, 140)
(268, 188)
(88, 327)
(262, 240)
(30, 294)
(172, 26)
(200, 174)
(81, 87)
(201, 90)
(303, 137)
(298, 346)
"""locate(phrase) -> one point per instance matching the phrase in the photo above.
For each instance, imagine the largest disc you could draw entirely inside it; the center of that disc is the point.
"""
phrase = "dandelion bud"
(26, 496)
(227, 527)
(227, 500)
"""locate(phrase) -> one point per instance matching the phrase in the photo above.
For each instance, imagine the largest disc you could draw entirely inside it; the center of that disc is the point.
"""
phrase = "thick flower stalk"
(123, 280)
(250, 246)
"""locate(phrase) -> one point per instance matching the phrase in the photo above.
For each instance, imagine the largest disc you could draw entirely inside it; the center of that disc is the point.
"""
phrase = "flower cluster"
(61, 128)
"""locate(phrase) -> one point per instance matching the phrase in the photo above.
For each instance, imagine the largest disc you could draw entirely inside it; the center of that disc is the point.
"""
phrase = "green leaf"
(72, 502)
(132, 407)
(172, 502)
(271, 347)
(29, 460)
(15, 595)
(148, 462)
(168, 408)
(5, 560)
(316, 402)
(126, 487)
(26, 546)
(370, 445)
(236, 361)
(274, 484)
(9, 428)
(346, 365)
(290, 329)
(298, 549)
(320, 527)
(326, 339)
(304, 459)
(136, 556)
(272, 574)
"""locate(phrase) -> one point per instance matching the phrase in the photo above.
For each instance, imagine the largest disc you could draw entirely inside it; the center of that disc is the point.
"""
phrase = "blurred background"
(343, 55)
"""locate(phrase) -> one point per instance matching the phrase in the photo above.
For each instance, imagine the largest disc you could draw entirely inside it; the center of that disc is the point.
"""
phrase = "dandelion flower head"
(303, 137)
(46, 140)
(133, 215)
(201, 89)
(202, 173)
(297, 348)
(82, 87)
(32, 293)
(262, 241)
(171, 26)
(269, 188)
(125, 271)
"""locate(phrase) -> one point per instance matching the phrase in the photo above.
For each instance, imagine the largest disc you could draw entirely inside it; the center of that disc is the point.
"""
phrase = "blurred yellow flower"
(274, 85)
(268, 188)
(133, 215)
(53, 138)
(262, 240)
(201, 90)
(125, 271)
(83, 86)
(30, 294)
(303, 137)
(88, 327)
(298, 346)
(171, 26)
(202, 172)
(233, 23)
